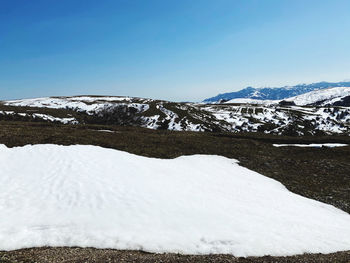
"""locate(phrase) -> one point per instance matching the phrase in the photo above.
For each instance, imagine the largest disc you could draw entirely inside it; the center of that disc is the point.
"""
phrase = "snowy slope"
(198, 204)
(321, 97)
(252, 101)
(88, 104)
(277, 93)
(44, 117)
(238, 115)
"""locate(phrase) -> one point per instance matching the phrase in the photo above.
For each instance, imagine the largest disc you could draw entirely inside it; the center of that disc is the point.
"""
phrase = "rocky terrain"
(322, 112)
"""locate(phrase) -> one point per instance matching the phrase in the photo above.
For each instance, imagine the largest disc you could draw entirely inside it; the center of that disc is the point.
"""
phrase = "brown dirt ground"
(92, 255)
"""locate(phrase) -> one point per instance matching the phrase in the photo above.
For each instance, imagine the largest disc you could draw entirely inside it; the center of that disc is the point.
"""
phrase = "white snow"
(320, 95)
(90, 196)
(88, 104)
(250, 116)
(252, 101)
(51, 118)
(239, 117)
(97, 98)
(151, 122)
(46, 117)
(57, 103)
(171, 116)
(106, 131)
(316, 145)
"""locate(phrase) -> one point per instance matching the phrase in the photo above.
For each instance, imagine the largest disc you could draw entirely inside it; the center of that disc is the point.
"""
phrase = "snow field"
(90, 196)
(314, 145)
(320, 95)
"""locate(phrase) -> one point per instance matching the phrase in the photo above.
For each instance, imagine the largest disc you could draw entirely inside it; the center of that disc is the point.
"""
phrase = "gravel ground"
(89, 255)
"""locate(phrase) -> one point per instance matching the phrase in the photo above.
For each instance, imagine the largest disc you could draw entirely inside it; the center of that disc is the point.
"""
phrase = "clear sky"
(169, 49)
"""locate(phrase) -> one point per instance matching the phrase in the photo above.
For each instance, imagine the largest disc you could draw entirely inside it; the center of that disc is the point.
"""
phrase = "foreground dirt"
(319, 173)
(89, 255)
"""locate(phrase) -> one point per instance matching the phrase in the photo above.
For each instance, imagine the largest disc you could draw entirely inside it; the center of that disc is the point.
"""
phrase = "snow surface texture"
(90, 196)
(253, 101)
(81, 103)
(321, 95)
(41, 116)
(314, 145)
(269, 93)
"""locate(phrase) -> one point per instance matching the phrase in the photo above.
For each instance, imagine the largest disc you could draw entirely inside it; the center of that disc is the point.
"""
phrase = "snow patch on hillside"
(253, 101)
(45, 117)
(313, 145)
(250, 115)
(320, 96)
(90, 196)
(83, 103)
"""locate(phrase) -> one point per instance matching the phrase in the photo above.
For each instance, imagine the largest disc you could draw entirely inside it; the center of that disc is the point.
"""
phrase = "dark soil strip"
(92, 255)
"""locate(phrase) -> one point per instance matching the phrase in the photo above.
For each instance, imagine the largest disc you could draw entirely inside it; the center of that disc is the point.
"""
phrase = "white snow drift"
(90, 196)
(313, 145)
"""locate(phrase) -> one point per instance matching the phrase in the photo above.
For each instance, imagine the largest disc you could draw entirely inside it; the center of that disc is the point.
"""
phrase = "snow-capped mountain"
(274, 93)
(242, 116)
(324, 97)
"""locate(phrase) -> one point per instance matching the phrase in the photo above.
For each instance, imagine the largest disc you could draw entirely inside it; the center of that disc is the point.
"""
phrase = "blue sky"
(175, 50)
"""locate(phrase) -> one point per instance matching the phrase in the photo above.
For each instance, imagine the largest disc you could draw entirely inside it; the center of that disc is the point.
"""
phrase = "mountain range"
(279, 93)
(318, 112)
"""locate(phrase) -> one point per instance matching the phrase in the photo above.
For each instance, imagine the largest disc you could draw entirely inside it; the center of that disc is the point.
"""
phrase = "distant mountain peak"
(279, 93)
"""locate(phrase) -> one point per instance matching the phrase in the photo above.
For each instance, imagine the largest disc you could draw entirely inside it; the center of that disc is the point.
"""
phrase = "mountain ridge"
(275, 93)
(290, 119)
